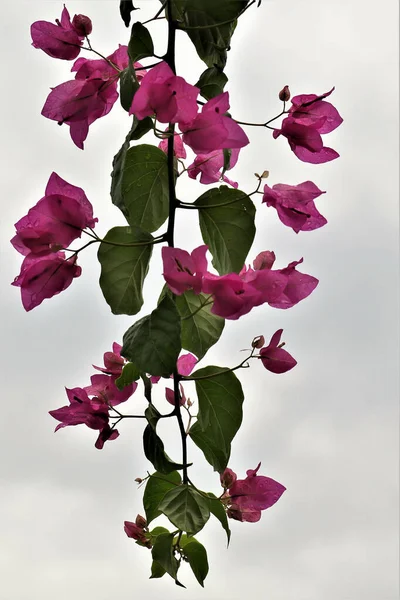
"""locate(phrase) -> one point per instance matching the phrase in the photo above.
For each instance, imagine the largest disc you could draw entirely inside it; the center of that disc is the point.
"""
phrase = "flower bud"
(138, 480)
(235, 513)
(141, 522)
(284, 94)
(82, 25)
(228, 478)
(258, 342)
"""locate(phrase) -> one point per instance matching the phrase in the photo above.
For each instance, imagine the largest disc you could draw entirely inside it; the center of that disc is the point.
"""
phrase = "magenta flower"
(274, 358)
(81, 411)
(210, 167)
(212, 129)
(170, 396)
(179, 148)
(184, 271)
(56, 220)
(113, 361)
(63, 40)
(92, 94)
(105, 391)
(228, 478)
(186, 363)
(167, 96)
(43, 277)
(311, 110)
(295, 205)
(299, 286)
(137, 531)
(233, 297)
(248, 497)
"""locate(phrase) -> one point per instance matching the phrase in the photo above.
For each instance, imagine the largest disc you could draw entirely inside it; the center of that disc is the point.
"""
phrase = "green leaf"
(219, 513)
(141, 187)
(124, 268)
(211, 42)
(140, 45)
(203, 329)
(130, 373)
(153, 343)
(212, 82)
(186, 508)
(197, 556)
(219, 416)
(128, 86)
(162, 554)
(153, 445)
(226, 219)
(156, 487)
(141, 128)
(157, 570)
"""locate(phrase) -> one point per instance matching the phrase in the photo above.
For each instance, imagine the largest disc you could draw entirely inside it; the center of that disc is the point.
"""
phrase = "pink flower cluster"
(92, 94)
(208, 132)
(310, 117)
(50, 226)
(138, 531)
(90, 405)
(246, 498)
(63, 40)
(235, 294)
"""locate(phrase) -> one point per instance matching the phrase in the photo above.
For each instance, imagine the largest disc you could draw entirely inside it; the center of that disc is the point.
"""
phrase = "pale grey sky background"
(328, 430)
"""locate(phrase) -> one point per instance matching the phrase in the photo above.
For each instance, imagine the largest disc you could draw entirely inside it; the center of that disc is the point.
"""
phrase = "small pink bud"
(82, 25)
(284, 94)
(228, 478)
(258, 342)
(141, 522)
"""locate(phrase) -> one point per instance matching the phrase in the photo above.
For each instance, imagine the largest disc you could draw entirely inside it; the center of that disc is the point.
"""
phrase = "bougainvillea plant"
(195, 296)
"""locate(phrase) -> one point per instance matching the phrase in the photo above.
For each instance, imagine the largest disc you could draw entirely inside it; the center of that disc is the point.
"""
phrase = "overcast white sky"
(328, 430)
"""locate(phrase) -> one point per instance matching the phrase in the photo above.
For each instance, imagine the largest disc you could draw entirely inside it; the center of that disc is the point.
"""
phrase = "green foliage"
(219, 513)
(212, 82)
(140, 186)
(153, 445)
(219, 416)
(130, 373)
(157, 486)
(197, 557)
(153, 343)
(186, 508)
(124, 268)
(162, 553)
(226, 219)
(211, 39)
(140, 45)
(128, 86)
(203, 329)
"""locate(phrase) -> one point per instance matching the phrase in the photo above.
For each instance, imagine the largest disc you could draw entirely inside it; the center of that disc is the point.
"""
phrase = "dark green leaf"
(187, 509)
(197, 556)
(162, 554)
(156, 487)
(212, 82)
(219, 513)
(203, 329)
(141, 128)
(124, 268)
(157, 570)
(211, 42)
(154, 342)
(130, 373)
(140, 45)
(153, 445)
(219, 416)
(228, 227)
(125, 9)
(142, 191)
(128, 86)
